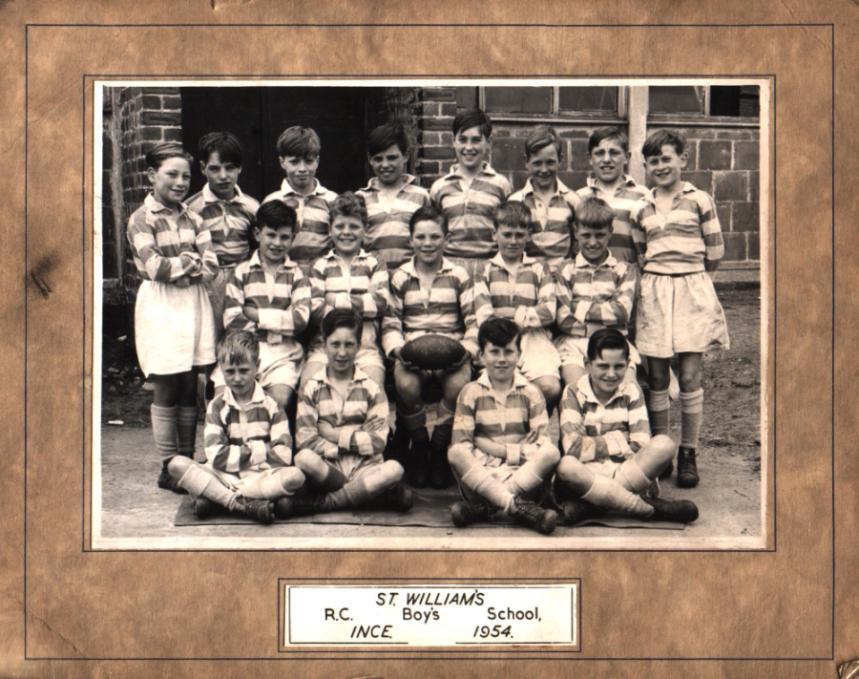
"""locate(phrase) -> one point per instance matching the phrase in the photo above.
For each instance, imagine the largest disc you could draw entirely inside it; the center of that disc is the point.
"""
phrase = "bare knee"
(178, 465)
(291, 478)
(459, 457)
(281, 394)
(574, 475)
(549, 456)
(551, 389)
(454, 382)
(662, 447)
(572, 374)
(308, 461)
(393, 471)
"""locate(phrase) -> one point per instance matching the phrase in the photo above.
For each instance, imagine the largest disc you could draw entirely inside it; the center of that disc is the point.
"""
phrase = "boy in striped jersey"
(298, 151)
(501, 452)
(609, 458)
(268, 295)
(342, 428)
(680, 240)
(608, 155)
(470, 192)
(551, 203)
(348, 278)
(229, 214)
(513, 285)
(594, 290)
(248, 446)
(429, 296)
(391, 197)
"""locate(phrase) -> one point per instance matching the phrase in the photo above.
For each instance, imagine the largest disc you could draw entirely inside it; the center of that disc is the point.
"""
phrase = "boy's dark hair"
(540, 138)
(472, 117)
(302, 142)
(428, 213)
(513, 214)
(349, 204)
(594, 213)
(385, 136)
(225, 144)
(656, 140)
(498, 331)
(276, 214)
(600, 134)
(342, 318)
(158, 153)
(237, 346)
(607, 338)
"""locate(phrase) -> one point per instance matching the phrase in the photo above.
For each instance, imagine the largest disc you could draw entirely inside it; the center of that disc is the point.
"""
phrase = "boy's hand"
(411, 367)
(375, 424)
(531, 437)
(251, 313)
(456, 366)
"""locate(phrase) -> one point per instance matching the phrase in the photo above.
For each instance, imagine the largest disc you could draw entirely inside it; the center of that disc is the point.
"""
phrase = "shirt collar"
(256, 263)
(686, 187)
(287, 190)
(627, 182)
(257, 398)
(581, 262)
(155, 207)
(409, 266)
(519, 380)
(331, 255)
(375, 185)
(210, 197)
(358, 375)
(585, 389)
(498, 261)
(560, 188)
(485, 170)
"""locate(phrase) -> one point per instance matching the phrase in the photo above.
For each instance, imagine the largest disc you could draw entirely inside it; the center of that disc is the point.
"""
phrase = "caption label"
(431, 615)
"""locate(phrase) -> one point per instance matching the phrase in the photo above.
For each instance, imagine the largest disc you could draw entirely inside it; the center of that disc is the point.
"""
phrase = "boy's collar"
(332, 254)
(154, 206)
(256, 398)
(585, 388)
(358, 375)
(318, 190)
(410, 267)
(498, 260)
(627, 181)
(485, 169)
(582, 262)
(256, 261)
(210, 197)
(560, 187)
(519, 380)
(685, 187)
(373, 184)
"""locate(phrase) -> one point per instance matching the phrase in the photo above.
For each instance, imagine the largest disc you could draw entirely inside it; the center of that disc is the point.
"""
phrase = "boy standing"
(470, 192)
(298, 151)
(608, 156)
(609, 458)
(229, 214)
(342, 429)
(680, 239)
(552, 205)
(391, 197)
(429, 295)
(501, 453)
(515, 286)
(269, 295)
(594, 290)
(248, 446)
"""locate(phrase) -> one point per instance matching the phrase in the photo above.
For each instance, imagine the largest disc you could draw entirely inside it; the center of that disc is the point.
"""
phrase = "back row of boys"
(676, 228)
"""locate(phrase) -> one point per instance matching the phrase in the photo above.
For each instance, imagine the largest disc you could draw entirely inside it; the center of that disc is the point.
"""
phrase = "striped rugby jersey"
(593, 297)
(622, 201)
(260, 426)
(282, 301)
(387, 233)
(470, 210)
(361, 285)
(552, 236)
(446, 308)
(229, 222)
(158, 236)
(314, 217)
(678, 243)
(622, 422)
(480, 411)
(528, 297)
(361, 417)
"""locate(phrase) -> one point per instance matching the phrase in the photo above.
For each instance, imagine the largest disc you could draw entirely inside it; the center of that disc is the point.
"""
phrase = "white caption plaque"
(431, 615)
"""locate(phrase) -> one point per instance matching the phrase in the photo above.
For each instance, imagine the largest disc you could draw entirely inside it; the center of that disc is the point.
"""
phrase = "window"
(541, 100)
(716, 100)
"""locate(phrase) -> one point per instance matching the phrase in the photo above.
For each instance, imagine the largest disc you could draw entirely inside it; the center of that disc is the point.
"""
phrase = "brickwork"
(434, 111)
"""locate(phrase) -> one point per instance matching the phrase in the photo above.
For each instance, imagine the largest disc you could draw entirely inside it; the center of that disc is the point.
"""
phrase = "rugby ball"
(433, 352)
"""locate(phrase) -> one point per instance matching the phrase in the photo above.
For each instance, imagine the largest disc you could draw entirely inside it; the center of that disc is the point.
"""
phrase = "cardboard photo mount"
(786, 611)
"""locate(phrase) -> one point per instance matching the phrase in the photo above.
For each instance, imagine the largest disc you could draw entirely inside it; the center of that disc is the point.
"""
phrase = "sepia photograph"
(459, 314)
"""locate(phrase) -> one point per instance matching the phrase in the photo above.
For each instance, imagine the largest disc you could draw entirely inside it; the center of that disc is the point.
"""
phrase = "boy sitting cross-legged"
(248, 446)
(342, 428)
(501, 453)
(609, 458)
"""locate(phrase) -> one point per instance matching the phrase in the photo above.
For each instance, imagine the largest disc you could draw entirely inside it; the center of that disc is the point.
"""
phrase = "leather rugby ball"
(432, 352)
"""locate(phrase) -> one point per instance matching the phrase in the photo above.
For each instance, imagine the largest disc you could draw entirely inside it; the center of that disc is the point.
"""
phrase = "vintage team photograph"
(431, 314)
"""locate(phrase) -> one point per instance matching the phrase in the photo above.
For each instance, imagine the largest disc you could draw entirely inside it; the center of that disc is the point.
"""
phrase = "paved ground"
(135, 514)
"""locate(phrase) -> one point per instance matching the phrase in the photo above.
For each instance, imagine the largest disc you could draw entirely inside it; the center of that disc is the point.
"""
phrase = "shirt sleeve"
(538, 417)
(711, 230)
(571, 419)
(371, 305)
(158, 267)
(307, 435)
(542, 314)
(281, 439)
(615, 311)
(463, 419)
(296, 316)
(316, 283)
(639, 425)
(564, 317)
(220, 454)
(466, 306)
(234, 302)
(483, 308)
(203, 244)
(371, 438)
(392, 323)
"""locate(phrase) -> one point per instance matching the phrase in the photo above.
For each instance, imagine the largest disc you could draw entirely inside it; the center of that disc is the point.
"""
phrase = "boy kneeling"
(342, 428)
(501, 453)
(247, 441)
(609, 457)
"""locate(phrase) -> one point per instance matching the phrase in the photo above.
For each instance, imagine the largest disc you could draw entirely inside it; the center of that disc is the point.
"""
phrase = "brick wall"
(434, 112)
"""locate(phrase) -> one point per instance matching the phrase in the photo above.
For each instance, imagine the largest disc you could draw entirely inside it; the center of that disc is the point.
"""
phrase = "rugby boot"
(533, 516)
(465, 513)
(687, 469)
(261, 511)
(676, 511)
(575, 511)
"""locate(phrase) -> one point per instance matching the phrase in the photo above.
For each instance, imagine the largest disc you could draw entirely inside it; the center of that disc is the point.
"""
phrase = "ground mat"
(430, 511)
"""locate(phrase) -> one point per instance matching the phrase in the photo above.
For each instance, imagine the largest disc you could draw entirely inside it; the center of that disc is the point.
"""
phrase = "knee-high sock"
(416, 425)
(481, 481)
(186, 430)
(443, 429)
(333, 479)
(610, 494)
(691, 415)
(658, 406)
(525, 479)
(164, 430)
(632, 477)
(201, 483)
(360, 491)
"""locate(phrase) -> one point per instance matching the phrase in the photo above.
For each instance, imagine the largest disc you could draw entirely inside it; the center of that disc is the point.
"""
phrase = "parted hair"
(541, 137)
(594, 213)
(342, 318)
(386, 135)
(428, 213)
(607, 338)
(472, 117)
(656, 140)
(499, 331)
(602, 133)
(237, 346)
(276, 214)
(225, 144)
(158, 153)
(302, 142)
